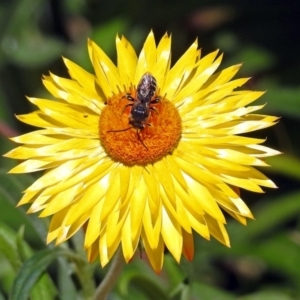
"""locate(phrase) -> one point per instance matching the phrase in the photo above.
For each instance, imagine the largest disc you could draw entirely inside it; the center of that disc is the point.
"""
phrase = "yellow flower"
(134, 167)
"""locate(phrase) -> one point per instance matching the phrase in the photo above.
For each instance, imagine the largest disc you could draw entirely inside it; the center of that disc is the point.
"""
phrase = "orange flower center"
(130, 145)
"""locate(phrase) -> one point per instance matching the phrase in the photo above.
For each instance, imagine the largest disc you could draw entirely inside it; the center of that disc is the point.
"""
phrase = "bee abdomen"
(146, 88)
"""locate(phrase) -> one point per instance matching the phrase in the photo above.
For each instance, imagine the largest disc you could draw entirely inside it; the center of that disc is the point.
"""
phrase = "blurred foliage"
(263, 261)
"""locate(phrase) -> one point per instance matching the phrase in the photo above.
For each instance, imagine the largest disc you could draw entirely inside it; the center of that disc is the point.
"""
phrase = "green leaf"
(24, 250)
(10, 193)
(44, 288)
(5, 113)
(2, 296)
(267, 295)
(105, 34)
(7, 274)
(268, 215)
(22, 42)
(256, 59)
(174, 271)
(21, 54)
(14, 185)
(281, 252)
(272, 214)
(286, 165)
(185, 293)
(17, 15)
(141, 283)
(66, 287)
(208, 292)
(8, 246)
(281, 100)
(181, 289)
(31, 271)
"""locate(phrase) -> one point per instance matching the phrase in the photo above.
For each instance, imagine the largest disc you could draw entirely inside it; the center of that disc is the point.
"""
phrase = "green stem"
(111, 277)
(84, 269)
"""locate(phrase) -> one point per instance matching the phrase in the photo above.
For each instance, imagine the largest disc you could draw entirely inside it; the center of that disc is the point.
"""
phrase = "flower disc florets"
(134, 146)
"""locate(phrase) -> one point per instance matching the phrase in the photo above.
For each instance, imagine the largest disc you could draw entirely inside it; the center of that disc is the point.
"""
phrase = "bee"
(141, 105)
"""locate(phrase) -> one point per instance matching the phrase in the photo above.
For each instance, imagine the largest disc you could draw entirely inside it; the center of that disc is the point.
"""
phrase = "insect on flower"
(141, 105)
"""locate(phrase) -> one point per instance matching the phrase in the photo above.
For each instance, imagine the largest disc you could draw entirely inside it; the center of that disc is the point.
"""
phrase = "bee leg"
(140, 139)
(155, 110)
(128, 97)
(119, 130)
(130, 104)
(155, 100)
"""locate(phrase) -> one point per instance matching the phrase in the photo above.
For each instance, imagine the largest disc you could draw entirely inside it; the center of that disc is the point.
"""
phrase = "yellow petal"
(127, 61)
(147, 58)
(188, 245)
(217, 230)
(171, 233)
(156, 255)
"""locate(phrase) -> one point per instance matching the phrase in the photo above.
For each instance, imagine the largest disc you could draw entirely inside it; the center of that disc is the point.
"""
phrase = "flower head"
(143, 151)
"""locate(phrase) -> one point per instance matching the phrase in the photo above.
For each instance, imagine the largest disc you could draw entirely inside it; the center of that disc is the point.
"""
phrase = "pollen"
(133, 146)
